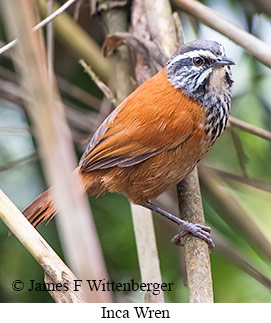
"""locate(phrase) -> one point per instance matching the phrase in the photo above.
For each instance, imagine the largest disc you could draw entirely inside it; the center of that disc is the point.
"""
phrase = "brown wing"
(145, 124)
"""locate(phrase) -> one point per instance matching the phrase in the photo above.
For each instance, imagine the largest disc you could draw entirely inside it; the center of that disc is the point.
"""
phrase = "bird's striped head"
(201, 70)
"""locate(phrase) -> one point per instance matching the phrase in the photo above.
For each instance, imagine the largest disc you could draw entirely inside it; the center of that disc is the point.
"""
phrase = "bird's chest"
(190, 152)
(216, 115)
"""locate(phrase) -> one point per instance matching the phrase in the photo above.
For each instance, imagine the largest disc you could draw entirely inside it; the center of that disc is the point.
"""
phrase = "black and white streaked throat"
(201, 70)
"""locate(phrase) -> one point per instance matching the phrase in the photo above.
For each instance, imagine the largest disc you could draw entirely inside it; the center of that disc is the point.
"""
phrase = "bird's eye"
(197, 61)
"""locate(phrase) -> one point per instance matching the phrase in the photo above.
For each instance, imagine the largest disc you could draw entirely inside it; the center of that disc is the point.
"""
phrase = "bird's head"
(201, 70)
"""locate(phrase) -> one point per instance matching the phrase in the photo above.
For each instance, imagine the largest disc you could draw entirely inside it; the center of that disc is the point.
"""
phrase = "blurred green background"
(22, 179)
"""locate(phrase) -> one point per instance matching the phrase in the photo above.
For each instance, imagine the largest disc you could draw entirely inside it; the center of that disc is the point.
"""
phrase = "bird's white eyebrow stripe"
(178, 57)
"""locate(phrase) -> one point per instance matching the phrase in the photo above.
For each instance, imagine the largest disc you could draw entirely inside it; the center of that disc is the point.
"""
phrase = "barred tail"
(41, 209)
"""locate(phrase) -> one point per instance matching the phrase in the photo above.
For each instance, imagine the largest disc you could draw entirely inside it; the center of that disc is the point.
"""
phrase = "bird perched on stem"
(157, 135)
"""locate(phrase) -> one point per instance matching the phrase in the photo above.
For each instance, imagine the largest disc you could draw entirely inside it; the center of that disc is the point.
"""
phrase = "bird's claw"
(201, 231)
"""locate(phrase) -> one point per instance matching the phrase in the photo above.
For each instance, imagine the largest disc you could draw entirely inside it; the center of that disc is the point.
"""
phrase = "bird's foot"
(201, 231)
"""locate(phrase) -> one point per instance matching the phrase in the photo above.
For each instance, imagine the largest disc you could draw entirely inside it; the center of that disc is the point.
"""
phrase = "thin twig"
(241, 155)
(79, 42)
(209, 17)
(50, 42)
(41, 24)
(17, 162)
(235, 122)
(14, 131)
(253, 182)
(101, 85)
(77, 9)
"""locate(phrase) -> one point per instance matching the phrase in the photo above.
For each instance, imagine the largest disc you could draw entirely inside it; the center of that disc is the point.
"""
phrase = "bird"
(157, 135)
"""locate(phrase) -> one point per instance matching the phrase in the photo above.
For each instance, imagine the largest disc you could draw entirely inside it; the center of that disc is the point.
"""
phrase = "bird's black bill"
(222, 61)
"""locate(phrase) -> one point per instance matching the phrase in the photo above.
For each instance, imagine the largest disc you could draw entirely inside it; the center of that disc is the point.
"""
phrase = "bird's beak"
(222, 61)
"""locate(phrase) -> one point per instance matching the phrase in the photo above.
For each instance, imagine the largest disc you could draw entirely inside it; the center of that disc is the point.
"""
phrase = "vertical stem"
(197, 257)
(161, 25)
(116, 21)
(50, 42)
(121, 80)
(147, 250)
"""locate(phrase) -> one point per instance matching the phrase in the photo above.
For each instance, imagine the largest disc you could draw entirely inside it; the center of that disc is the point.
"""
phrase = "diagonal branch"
(209, 17)
(55, 270)
(253, 182)
(235, 122)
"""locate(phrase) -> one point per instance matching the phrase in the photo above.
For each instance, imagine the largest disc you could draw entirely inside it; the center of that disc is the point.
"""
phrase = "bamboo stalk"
(209, 17)
(196, 252)
(161, 25)
(147, 250)
(55, 271)
(50, 42)
(197, 257)
(42, 100)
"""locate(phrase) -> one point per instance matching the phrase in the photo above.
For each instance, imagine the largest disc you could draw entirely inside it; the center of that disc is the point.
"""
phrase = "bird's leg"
(198, 230)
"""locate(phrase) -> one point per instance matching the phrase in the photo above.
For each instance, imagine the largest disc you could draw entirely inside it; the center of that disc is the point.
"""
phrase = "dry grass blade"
(209, 17)
(239, 259)
(233, 213)
(14, 130)
(55, 270)
(241, 155)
